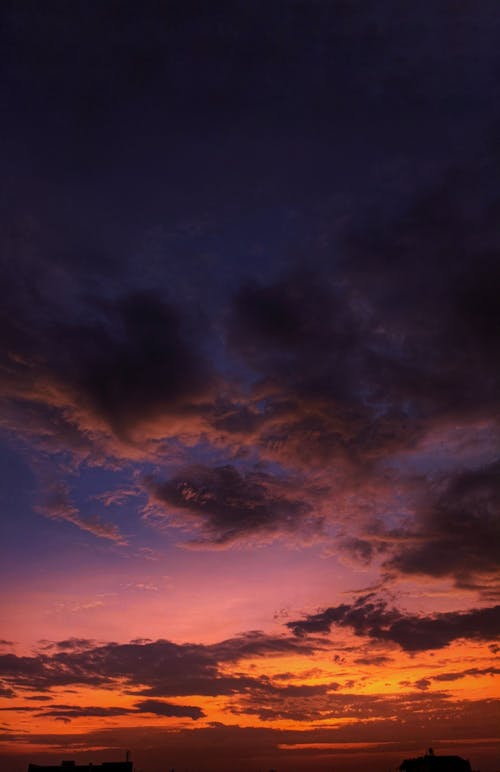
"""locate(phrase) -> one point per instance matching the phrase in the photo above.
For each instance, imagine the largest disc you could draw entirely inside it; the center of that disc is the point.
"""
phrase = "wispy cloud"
(58, 506)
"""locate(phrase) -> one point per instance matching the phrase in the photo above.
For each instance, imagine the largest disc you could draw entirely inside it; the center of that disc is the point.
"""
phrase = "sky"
(249, 383)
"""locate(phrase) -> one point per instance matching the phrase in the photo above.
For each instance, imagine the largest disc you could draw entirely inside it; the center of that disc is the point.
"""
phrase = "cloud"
(326, 705)
(139, 366)
(75, 711)
(254, 643)
(168, 710)
(233, 741)
(38, 697)
(373, 618)
(229, 505)
(356, 360)
(157, 669)
(428, 275)
(474, 672)
(73, 644)
(58, 506)
(156, 707)
(84, 379)
(307, 342)
(349, 718)
(376, 659)
(331, 370)
(457, 533)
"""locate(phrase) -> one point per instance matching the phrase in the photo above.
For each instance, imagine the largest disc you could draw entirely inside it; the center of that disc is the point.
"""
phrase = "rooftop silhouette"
(432, 763)
(71, 766)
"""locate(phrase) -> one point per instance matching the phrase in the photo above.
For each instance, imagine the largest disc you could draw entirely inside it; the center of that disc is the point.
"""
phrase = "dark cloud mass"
(157, 669)
(402, 330)
(230, 505)
(139, 368)
(168, 710)
(125, 361)
(303, 320)
(375, 619)
(428, 276)
(459, 532)
(362, 707)
(305, 340)
(157, 707)
(474, 672)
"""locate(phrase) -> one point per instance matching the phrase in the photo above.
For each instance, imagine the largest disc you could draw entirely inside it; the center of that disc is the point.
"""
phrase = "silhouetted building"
(432, 763)
(71, 766)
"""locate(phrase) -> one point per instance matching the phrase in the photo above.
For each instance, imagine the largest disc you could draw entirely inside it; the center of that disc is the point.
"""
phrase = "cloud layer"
(230, 505)
(373, 618)
(157, 669)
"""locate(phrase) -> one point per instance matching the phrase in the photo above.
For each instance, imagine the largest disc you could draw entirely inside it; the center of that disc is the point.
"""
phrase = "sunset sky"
(250, 320)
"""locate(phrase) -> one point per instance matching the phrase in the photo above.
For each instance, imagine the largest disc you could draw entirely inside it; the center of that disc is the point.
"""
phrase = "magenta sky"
(250, 384)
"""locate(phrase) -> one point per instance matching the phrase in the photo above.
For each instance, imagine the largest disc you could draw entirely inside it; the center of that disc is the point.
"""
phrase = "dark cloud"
(139, 368)
(74, 643)
(18, 708)
(230, 505)
(38, 697)
(254, 643)
(402, 327)
(373, 618)
(205, 684)
(28, 672)
(458, 532)
(304, 337)
(361, 551)
(422, 684)
(327, 705)
(360, 360)
(156, 707)
(298, 320)
(427, 276)
(167, 709)
(75, 711)
(403, 331)
(87, 358)
(474, 672)
(376, 659)
(157, 669)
